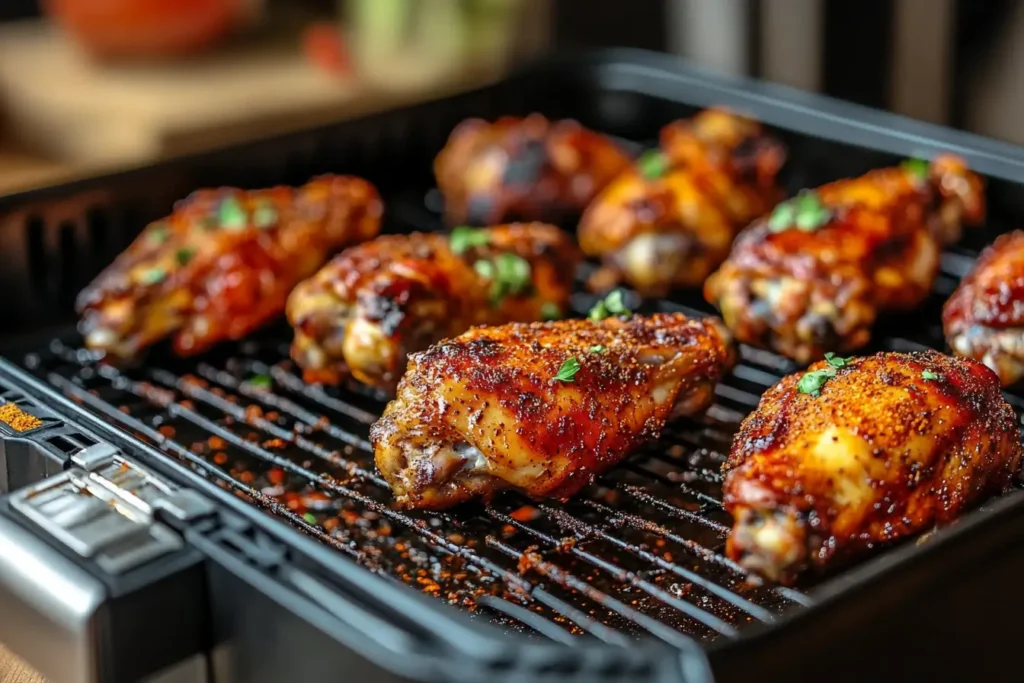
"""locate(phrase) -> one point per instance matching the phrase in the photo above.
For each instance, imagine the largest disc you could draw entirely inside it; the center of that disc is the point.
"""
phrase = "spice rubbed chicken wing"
(984, 319)
(523, 169)
(222, 264)
(858, 452)
(669, 220)
(543, 407)
(375, 303)
(815, 274)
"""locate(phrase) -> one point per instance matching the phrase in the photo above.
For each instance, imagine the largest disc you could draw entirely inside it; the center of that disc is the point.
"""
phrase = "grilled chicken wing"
(523, 169)
(543, 407)
(814, 276)
(892, 445)
(984, 319)
(377, 302)
(669, 221)
(222, 264)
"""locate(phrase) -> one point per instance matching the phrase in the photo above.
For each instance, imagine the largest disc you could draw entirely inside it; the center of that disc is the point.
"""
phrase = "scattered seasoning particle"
(152, 276)
(812, 382)
(805, 212)
(567, 372)
(550, 311)
(17, 419)
(265, 215)
(929, 375)
(464, 237)
(185, 255)
(613, 304)
(231, 214)
(652, 164)
(916, 169)
(309, 517)
(598, 348)
(261, 381)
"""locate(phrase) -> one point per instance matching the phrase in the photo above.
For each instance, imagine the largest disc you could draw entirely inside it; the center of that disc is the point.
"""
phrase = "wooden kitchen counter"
(13, 670)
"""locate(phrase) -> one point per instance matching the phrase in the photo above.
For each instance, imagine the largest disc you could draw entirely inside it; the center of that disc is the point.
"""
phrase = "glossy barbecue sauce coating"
(222, 264)
(375, 303)
(523, 169)
(984, 318)
(485, 411)
(893, 445)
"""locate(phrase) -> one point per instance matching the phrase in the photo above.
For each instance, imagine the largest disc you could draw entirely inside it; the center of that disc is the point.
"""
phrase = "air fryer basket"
(304, 559)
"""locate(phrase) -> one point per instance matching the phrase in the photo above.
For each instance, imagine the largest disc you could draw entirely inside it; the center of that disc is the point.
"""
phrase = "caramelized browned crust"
(376, 303)
(804, 292)
(673, 230)
(523, 169)
(894, 445)
(222, 264)
(984, 318)
(484, 411)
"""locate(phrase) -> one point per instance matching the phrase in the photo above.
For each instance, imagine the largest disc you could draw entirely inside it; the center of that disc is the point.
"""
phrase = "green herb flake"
(510, 275)
(309, 517)
(158, 233)
(837, 362)
(152, 276)
(550, 311)
(612, 304)
(805, 212)
(261, 382)
(916, 169)
(265, 215)
(929, 375)
(463, 238)
(812, 382)
(231, 214)
(567, 372)
(598, 348)
(652, 164)
(183, 256)
(484, 269)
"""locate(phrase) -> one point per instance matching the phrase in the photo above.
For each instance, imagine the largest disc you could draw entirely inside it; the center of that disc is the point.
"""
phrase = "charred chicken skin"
(375, 303)
(222, 264)
(815, 274)
(859, 452)
(523, 169)
(984, 319)
(542, 407)
(669, 220)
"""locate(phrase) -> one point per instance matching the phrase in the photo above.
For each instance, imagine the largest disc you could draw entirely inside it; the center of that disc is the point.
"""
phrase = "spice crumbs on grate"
(17, 419)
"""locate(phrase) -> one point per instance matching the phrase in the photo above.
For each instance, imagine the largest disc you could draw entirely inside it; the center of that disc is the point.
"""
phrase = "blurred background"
(88, 85)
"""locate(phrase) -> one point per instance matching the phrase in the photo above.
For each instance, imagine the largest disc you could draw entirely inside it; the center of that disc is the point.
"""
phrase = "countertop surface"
(13, 670)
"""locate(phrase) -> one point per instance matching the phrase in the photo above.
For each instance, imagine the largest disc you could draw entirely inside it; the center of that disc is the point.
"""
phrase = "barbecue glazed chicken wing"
(523, 169)
(984, 319)
(222, 264)
(542, 407)
(375, 303)
(814, 276)
(881, 448)
(669, 220)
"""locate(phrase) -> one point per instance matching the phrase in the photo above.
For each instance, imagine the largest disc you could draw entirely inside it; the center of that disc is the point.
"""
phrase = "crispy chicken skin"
(377, 302)
(802, 292)
(523, 169)
(484, 411)
(893, 445)
(984, 319)
(671, 230)
(222, 264)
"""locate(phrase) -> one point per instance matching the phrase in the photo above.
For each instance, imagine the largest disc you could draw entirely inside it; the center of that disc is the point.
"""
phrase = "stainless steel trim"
(94, 456)
(47, 606)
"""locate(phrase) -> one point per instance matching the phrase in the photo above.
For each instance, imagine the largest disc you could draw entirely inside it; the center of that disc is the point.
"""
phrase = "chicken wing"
(984, 319)
(542, 407)
(222, 264)
(378, 302)
(814, 276)
(523, 169)
(859, 452)
(669, 220)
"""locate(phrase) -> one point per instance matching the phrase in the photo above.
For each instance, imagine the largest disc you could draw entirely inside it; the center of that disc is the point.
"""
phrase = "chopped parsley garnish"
(805, 212)
(568, 371)
(265, 215)
(812, 382)
(509, 274)
(916, 168)
(309, 517)
(463, 238)
(611, 305)
(550, 311)
(152, 276)
(652, 164)
(158, 233)
(261, 381)
(183, 256)
(231, 214)
(929, 375)
(598, 348)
